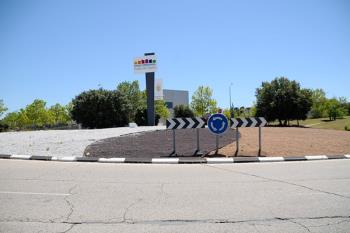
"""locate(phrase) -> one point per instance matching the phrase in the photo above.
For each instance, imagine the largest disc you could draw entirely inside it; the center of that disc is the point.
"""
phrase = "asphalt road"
(39, 196)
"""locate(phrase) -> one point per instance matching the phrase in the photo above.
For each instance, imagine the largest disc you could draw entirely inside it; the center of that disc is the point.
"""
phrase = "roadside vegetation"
(37, 116)
(321, 123)
(97, 108)
(282, 102)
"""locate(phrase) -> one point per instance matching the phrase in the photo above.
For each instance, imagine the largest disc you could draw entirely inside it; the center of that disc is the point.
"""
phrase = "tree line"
(284, 100)
(35, 116)
(98, 108)
(280, 100)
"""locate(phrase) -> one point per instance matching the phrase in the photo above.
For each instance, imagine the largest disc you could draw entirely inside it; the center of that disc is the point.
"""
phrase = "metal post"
(217, 144)
(174, 143)
(150, 96)
(259, 141)
(198, 152)
(237, 141)
(197, 139)
(231, 115)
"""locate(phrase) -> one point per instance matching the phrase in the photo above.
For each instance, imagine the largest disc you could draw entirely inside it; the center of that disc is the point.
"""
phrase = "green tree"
(253, 110)
(2, 108)
(319, 100)
(345, 105)
(37, 113)
(11, 119)
(69, 108)
(23, 120)
(141, 118)
(17, 120)
(100, 109)
(131, 91)
(335, 108)
(303, 103)
(183, 111)
(227, 113)
(242, 111)
(59, 114)
(282, 100)
(161, 109)
(202, 101)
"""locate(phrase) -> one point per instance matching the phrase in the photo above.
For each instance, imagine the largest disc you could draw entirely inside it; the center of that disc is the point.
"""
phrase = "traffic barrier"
(248, 122)
(185, 123)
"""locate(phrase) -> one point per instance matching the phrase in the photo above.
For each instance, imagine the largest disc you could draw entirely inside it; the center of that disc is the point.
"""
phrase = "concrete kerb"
(180, 160)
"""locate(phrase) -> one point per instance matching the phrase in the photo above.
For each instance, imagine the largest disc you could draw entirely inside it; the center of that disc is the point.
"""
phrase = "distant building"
(173, 98)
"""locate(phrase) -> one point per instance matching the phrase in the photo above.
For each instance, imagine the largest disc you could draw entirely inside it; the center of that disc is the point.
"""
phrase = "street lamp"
(231, 110)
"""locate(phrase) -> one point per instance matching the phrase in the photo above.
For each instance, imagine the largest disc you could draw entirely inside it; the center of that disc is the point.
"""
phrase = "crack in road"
(279, 181)
(69, 204)
(179, 221)
(127, 209)
(126, 182)
(70, 227)
(297, 223)
(329, 224)
(162, 191)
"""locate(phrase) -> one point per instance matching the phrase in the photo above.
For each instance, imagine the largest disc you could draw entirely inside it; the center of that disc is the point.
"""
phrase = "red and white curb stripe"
(179, 160)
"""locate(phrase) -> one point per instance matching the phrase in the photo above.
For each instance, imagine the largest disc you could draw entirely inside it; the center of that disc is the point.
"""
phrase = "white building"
(173, 98)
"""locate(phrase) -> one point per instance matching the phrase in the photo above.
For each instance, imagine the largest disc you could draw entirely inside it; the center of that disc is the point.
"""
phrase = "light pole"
(231, 112)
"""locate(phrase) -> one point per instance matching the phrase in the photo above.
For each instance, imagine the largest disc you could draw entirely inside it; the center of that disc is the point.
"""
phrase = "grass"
(323, 123)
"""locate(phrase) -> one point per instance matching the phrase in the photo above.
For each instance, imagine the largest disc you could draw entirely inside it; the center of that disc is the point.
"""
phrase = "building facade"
(173, 98)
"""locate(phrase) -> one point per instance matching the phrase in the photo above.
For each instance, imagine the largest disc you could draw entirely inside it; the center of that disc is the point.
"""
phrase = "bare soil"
(277, 141)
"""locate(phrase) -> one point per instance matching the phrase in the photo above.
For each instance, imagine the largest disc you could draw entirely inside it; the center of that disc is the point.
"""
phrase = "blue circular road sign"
(217, 123)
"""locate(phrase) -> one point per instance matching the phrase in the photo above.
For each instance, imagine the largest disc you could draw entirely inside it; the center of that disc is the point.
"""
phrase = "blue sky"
(53, 50)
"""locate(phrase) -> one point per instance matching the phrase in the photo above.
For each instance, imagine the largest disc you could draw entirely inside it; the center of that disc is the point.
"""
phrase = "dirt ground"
(275, 142)
(292, 141)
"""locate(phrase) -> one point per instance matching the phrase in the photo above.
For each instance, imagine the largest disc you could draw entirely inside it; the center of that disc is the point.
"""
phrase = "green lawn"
(323, 123)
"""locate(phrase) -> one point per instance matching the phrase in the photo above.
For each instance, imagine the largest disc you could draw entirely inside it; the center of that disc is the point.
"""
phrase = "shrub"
(3, 127)
(183, 111)
(347, 127)
(100, 109)
(141, 117)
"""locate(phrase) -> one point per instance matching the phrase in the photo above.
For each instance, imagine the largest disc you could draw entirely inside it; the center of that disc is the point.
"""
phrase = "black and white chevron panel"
(185, 123)
(248, 122)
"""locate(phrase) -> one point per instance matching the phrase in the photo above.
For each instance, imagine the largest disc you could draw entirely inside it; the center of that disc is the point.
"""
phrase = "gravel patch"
(60, 143)
(157, 144)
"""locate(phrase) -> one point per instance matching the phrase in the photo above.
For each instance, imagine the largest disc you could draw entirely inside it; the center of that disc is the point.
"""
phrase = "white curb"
(271, 159)
(66, 159)
(21, 156)
(316, 157)
(219, 160)
(111, 160)
(169, 160)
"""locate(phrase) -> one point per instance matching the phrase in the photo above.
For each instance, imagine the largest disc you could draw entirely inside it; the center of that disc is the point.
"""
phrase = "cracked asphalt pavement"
(40, 196)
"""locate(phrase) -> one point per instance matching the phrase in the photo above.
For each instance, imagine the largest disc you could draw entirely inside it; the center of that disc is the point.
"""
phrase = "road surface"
(40, 196)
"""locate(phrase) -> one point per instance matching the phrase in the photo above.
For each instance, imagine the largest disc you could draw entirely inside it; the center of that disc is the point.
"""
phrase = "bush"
(183, 111)
(141, 118)
(347, 127)
(100, 109)
(3, 127)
